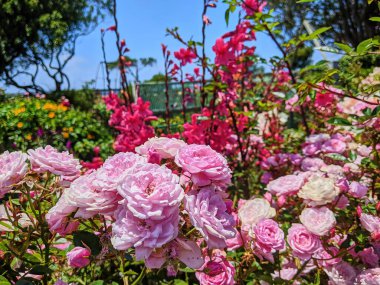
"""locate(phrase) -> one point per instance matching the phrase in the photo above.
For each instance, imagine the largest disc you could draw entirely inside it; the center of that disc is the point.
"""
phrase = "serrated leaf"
(82, 238)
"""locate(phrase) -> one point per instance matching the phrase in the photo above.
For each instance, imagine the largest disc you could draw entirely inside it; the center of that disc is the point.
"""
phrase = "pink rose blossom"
(58, 163)
(368, 277)
(303, 243)
(90, 199)
(369, 256)
(186, 251)
(327, 258)
(318, 221)
(165, 147)
(112, 171)
(205, 165)
(286, 185)
(268, 236)
(312, 164)
(78, 257)
(13, 168)
(370, 223)
(217, 270)
(357, 190)
(152, 191)
(341, 274)
(145, 235)
(334, 146)
(208, 214)
(57, 217)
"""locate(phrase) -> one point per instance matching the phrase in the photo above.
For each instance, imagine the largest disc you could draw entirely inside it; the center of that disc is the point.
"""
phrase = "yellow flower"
(50, 106)
(28, 137)
(62, 107)
(51, 115)
(65, 135)
(19, 111)
(71, 129)
(38, 105)
(20, 124)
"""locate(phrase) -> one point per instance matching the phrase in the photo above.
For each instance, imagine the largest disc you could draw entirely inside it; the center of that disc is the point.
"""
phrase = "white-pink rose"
(319, 221)
(165, 147)
(319, 190)
(13, 168)
(252, 211)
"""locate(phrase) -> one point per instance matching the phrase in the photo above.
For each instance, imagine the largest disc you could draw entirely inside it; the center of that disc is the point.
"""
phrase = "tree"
(159, 77)
(39, 36)
(349, 19)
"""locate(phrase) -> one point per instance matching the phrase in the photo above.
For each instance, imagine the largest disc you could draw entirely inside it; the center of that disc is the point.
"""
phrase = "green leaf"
(375, 19)
(97, 282)
(305, 1)
(83, 238)
(339, 122)
(227, 16)
(4, 281)
(344, 47)
(336, 156)
(366, 45)
(314, 34)
(179, 282)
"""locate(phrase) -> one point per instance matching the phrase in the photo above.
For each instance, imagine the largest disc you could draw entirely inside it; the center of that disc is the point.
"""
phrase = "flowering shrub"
(30, 122)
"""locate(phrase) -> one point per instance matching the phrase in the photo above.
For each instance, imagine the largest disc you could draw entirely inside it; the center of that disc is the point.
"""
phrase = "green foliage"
(28, 123)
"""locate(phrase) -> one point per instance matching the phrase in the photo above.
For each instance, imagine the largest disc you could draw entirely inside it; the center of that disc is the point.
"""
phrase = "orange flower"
(19, 111)
(90, 136)
(51, 115)
(20, 124)
(65, 135)
(28, 137)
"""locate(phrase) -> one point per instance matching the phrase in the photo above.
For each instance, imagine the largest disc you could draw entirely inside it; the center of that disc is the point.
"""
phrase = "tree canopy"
(39, 36)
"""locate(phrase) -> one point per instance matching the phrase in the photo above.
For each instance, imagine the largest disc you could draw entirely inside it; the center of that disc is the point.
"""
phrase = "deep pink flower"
(357, 190)
(204, 164)
(303, 243)
(371, 224)
(217, 270)
(369, 277)
(253, 6)
(152, 191)
(78, 257)
(369, 257)
(208, 214)
(13, 168)
(334, 146)
(58, 163)
(185, 55)
(341, 273)
(268, 236)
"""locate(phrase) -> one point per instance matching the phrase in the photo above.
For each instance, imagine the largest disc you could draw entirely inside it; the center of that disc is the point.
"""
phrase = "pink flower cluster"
(132, 122)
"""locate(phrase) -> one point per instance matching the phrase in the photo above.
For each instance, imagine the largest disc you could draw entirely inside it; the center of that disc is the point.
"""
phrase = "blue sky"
(143, 25)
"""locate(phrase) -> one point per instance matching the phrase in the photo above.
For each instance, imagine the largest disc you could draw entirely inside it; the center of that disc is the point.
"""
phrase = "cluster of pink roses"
(167, 202)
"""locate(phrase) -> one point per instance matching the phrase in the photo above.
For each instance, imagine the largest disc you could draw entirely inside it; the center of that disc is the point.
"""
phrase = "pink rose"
(286, 185)
(57, 217)
(58, 163)
(216, 271)
(369, 277)
(204, 164)
(208, 214)
(318, 221)
(145, 235)
(90, 199)
(13, 168)
(152, 191)
(312, 164)
(78, 257)
(334, 146)
(165, 147)
(357, 190)
(303, 243)
(370, 223)
(268, 236)
(112, 171)
(341, 274)
(327, 258)
(235, 242)
(369, 256)
(186, 251)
